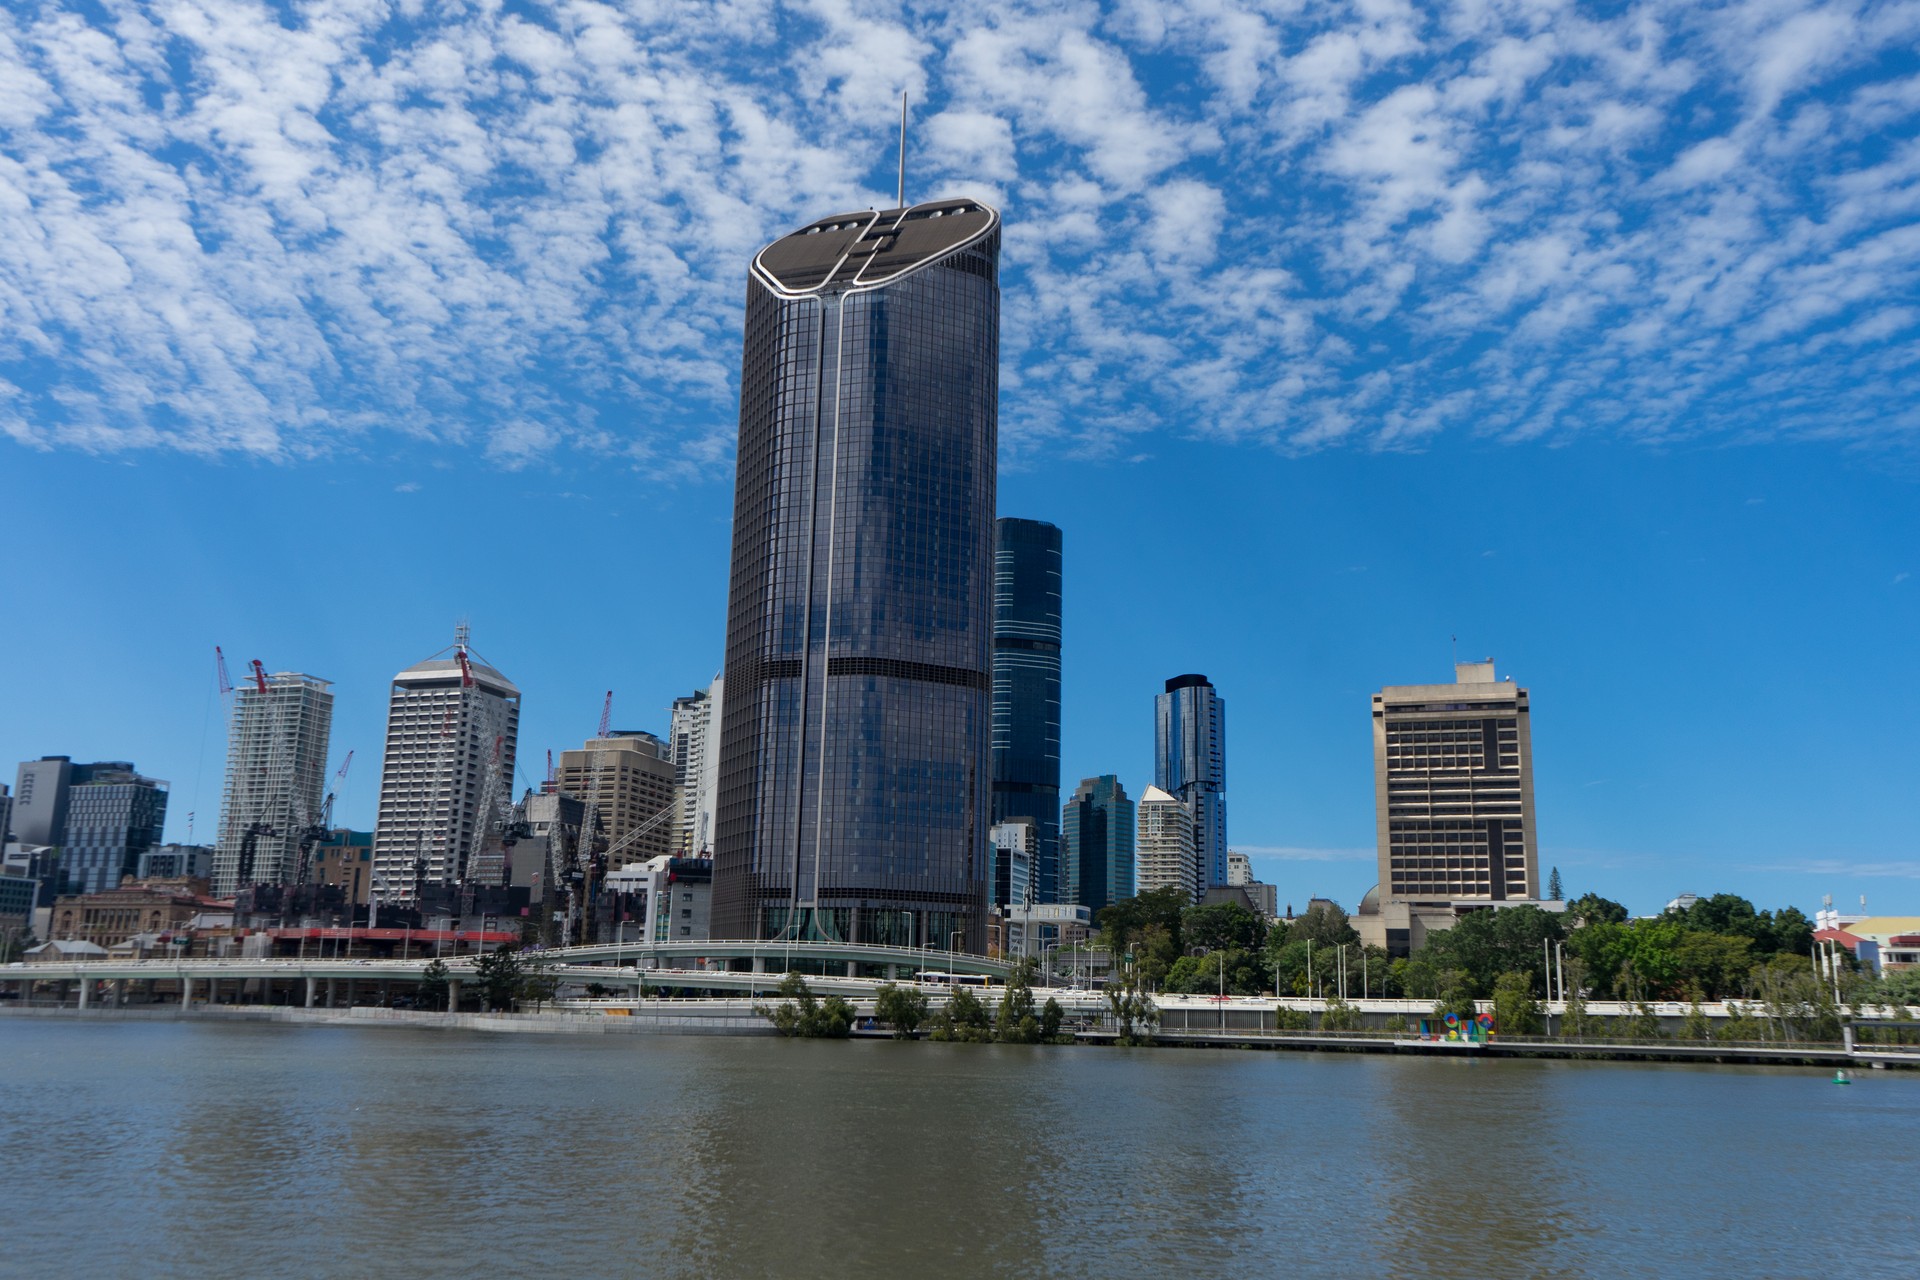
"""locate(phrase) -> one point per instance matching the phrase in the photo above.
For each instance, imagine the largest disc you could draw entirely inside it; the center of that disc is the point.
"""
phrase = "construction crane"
(313, 833)
(559, 874)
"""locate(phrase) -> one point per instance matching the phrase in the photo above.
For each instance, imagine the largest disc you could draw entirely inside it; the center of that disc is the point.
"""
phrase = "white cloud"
(232, 228)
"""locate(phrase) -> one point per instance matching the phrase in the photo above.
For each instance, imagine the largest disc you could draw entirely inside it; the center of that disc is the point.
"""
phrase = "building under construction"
(278, 731)
(453, 723)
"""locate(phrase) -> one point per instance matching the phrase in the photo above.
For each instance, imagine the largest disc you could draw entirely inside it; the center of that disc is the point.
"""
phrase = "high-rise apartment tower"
(1026, 688)
(1190, 761)
(693, 744)
(1163, 848)
(855, 775)
(277, 742)
(453, 723)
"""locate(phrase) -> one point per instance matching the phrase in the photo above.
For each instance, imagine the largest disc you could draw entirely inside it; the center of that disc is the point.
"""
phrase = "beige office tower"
(453, 723)
(627, 784)
(1164, 852)
(277, 737)
(1453, 804)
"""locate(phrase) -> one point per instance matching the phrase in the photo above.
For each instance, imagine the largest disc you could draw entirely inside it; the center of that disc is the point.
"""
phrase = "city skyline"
(1594, 359)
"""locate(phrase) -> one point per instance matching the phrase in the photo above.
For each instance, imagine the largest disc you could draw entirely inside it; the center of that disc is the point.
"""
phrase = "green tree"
(1742, 1023)
(1051, 1015)
(538, 982)
(1227, 926)
(1340, 1016)
(1696, 1026)
(803, 1015)
(433, 987)
(902, 1008)
(1554, 891)
(1124, 922)
(1324, 925)
(1016, 1022)
(1515, 1013)
(1288, 1018)
(962, 1018)
(1455, 995)
(1397, 1025)
(1639, 1024)
(1133, 1011)
(498, 973)
(1591, 908)
(1578, 1023)
(1486, 944)
(1238, 971)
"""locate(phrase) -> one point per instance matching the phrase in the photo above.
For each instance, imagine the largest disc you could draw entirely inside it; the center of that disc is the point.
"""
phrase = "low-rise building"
(135, 907)
(344, 860)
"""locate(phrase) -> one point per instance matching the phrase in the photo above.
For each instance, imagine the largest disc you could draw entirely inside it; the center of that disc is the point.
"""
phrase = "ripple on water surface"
(213, 1151)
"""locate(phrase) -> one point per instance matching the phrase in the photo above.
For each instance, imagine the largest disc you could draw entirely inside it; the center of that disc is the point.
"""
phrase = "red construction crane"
(466, 672)
(606, 715)
(260, 675)
(220, 671)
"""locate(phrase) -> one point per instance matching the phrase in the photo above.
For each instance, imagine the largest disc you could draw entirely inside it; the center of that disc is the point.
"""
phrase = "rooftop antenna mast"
(900, 198)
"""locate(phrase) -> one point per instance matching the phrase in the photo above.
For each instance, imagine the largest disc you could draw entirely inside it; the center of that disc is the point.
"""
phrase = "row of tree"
(1717, 948)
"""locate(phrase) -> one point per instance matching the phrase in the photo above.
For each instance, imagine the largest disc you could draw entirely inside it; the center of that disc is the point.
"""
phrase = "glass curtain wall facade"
(855, 775)
(1190, 761)
(1026, 689)
(113, 816)
(1096, 843)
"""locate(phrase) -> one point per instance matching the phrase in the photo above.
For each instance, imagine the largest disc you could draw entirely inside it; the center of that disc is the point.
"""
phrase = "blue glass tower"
(1026, 689)
(1096, 843)
(1190, 761)
(855, 778)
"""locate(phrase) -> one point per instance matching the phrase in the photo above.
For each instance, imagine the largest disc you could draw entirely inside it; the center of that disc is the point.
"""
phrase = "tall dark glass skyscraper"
(1096, 840)
(1026, 688)
(1190, 761)
(854, 770)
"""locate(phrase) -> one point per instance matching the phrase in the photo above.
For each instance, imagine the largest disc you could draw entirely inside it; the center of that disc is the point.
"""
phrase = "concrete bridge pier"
(332, 986)
(186, 992)
(453, 995)
(86, 988)
(351, 984)
(312, 985)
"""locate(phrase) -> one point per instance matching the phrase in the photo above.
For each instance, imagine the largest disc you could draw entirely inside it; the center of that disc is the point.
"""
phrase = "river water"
(189, 1149)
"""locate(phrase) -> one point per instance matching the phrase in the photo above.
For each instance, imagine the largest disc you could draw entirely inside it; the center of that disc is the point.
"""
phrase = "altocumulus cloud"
(522, 228)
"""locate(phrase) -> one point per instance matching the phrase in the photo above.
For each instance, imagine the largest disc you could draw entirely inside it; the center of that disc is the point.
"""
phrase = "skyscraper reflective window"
(1190, 761)
(1026, 689)
(1096, 843)
(854, 776)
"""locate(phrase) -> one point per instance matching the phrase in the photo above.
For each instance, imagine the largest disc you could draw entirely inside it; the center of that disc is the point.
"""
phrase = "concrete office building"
(453, 725)
(1164, 851)
(855, 775)
(176, 862)
(1026, 688)
(101, 816)
(1096, 843)
(1453, 805)
(1190, 761)
(693, 744)
(277, 742)
(626, 783)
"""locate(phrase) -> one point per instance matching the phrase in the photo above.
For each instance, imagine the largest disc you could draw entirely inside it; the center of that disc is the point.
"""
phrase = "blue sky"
(1584, 333)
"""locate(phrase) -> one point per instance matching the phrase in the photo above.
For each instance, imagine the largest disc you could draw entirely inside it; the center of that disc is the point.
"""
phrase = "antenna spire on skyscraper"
(900, 192)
